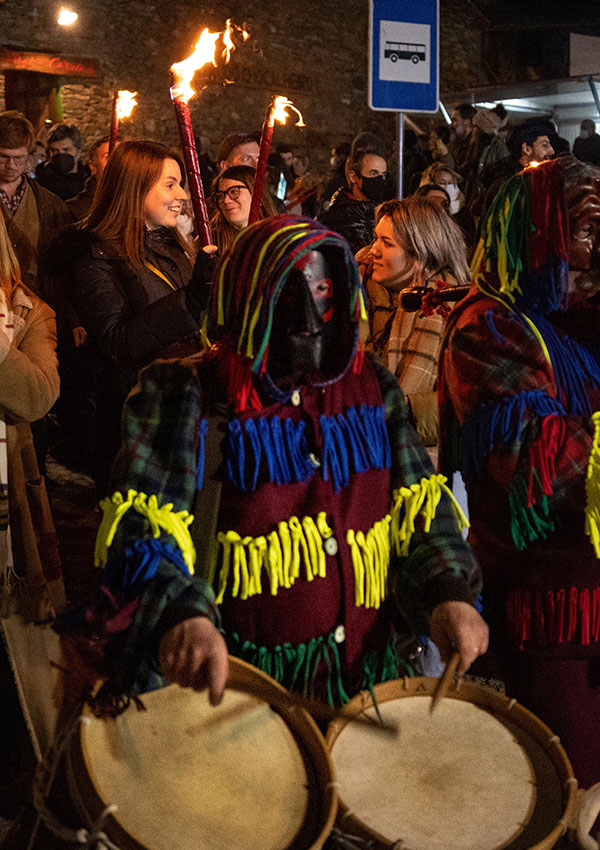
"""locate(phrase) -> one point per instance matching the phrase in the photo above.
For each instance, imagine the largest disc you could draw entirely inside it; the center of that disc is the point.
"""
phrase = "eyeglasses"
(18, 160)
(233, 192)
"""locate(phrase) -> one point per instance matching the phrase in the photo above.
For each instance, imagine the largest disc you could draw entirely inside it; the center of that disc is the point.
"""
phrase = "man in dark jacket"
(352, 210)
(80, 205)
(63, 173)
(586, 146)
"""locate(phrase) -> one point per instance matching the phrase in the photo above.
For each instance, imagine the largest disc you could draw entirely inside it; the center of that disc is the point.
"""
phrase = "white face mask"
(454, 193)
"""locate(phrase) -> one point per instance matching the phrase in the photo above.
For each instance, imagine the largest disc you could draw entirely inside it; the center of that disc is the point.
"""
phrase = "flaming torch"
(122, 107)
(276, 111)
(183, 72)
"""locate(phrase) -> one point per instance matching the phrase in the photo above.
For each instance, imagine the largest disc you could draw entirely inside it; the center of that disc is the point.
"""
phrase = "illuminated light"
(204, 53)
(279, 113)
(534, 163)
(125, 103)
(66, 17)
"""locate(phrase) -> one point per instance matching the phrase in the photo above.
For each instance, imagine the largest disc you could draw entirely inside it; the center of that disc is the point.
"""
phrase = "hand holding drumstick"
(458, 627)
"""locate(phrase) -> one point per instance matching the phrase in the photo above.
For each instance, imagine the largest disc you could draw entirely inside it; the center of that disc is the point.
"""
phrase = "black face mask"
(302, 323)
(373, 188)
(62, 162)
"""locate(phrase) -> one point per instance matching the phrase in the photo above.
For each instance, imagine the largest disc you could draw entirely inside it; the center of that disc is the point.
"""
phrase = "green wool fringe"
(528, 523)
(295, 667)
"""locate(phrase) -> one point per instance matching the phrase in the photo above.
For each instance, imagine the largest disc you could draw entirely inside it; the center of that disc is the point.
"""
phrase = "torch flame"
(204, 53)
(125, 103)
(279, 113)
(534, 163)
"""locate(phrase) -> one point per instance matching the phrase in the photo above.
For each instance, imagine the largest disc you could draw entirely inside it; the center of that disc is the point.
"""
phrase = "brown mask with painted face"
(303, 324)
(583, 203)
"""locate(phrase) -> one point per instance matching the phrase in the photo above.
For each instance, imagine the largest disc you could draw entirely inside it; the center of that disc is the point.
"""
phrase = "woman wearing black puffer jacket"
(129, 275)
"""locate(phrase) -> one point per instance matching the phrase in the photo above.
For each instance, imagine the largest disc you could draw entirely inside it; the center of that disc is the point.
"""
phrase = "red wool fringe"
(553, 617)
(542, 455)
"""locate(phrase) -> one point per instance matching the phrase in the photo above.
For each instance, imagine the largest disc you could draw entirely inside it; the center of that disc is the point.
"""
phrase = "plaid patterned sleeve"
(440, 566)
(499, 387)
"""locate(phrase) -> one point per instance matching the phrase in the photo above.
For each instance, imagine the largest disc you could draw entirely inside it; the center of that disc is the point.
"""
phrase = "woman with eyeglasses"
(232, 195)
(127, 273)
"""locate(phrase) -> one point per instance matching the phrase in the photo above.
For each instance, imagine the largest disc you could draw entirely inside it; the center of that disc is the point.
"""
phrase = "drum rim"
(486, 698)
(323, 798)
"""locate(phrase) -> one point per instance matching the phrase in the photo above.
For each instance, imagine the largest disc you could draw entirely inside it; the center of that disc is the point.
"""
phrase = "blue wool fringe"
(139, 563)
(236, 455)
(500, 422)
(282, 446)
(545, 291)
(250, 426)
(576, 369)
(201, 454)
(361, 438)
(489, 317)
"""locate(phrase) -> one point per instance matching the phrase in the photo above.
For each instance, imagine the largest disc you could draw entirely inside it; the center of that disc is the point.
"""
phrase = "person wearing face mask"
(291, 444)
(128, 274)
(520, 418)
(232, 196)
(63, 173)
(352, 210)
(416, 244)
(449, 180)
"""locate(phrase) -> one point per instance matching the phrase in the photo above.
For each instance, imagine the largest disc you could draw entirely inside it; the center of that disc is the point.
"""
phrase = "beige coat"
(29, 387)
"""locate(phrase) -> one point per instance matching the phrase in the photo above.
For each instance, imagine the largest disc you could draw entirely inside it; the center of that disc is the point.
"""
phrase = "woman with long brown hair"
(127, 273)
(232, 195)
(416, 244)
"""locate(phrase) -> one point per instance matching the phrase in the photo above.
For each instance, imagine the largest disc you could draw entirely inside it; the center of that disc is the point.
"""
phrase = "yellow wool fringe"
(419, 499)
(280, 554)
(161, 519)
(370, 558)
(592, 489)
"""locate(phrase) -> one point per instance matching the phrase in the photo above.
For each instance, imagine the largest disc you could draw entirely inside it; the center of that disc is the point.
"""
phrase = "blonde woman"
(31, 586)
(416, 244)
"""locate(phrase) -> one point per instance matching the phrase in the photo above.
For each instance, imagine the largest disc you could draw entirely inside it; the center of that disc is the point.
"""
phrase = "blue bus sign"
(404, 55)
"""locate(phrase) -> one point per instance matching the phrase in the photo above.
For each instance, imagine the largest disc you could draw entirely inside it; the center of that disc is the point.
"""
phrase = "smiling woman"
(127, 273)
(232, 196)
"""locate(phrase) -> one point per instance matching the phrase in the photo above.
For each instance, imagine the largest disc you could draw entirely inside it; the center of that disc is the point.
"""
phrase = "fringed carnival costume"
(327, 503)
(519, 391)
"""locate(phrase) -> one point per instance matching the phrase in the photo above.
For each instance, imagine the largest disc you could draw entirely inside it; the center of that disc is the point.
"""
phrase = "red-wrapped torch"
(276, 111)
(181, 92)
(122, 107)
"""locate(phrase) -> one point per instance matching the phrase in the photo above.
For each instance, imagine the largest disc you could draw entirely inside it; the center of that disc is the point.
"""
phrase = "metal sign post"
(404, 60)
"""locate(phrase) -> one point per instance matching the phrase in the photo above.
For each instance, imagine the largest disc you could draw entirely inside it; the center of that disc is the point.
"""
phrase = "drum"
(479, 773)
(251, 774)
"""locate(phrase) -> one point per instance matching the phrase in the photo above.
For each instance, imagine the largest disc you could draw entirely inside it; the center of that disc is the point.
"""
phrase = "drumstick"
(445, 679)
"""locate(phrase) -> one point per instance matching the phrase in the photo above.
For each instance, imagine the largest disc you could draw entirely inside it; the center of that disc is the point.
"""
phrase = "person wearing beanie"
(519, 394)
(485, 148)
(239, 148)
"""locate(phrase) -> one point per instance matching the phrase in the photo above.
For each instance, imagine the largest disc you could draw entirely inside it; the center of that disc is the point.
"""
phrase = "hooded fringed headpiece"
(523, 252)
(250, 278)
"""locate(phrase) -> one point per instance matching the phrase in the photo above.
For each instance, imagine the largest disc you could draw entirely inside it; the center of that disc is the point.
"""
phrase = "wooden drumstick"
(445, 679)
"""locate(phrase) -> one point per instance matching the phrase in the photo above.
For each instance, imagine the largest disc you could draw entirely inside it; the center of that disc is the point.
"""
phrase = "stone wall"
(316, 54)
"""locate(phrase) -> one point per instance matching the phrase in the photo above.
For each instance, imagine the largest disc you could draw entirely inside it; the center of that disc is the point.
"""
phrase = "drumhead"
(242, 776)
(474, 775)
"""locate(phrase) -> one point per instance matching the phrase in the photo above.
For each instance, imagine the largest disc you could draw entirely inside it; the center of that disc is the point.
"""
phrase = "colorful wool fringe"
(500, 423)
(280, 554)
(523, 252)
(300, 667)
(592, 489)
(161, 518)
(370, 559)
(419, 500)
(553, 617)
